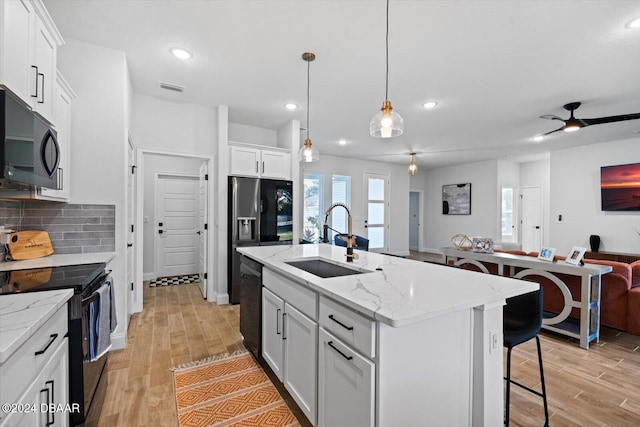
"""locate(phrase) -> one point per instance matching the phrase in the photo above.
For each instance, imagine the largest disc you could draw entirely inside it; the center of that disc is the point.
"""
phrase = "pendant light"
(413, 167)
(386, 123)
(308, 153)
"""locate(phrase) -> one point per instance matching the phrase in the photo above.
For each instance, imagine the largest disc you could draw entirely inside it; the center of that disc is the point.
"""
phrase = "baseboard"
(221, 299)
(148, 276)
(118, 341)
(431, 250)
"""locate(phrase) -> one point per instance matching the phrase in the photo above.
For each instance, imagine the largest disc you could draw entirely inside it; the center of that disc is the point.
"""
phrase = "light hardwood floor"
(595, 387)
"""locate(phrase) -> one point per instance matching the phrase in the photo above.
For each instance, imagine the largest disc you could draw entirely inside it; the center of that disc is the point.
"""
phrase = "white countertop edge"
(57, 260)
(21, 315)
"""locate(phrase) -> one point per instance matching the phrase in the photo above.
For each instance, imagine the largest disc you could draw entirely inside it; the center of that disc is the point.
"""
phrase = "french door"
(376, 211)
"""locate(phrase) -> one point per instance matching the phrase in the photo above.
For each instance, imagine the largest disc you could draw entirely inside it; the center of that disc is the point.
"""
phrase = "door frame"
(420, 217)
(156, 236)
(521, 216)
(212, 262)
(134, 303)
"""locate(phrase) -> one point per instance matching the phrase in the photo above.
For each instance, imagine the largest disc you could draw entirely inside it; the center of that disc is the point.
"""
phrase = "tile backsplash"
(73, 229)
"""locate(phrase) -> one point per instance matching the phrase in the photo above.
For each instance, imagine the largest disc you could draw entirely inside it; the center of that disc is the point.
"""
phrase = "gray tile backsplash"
(73, 229)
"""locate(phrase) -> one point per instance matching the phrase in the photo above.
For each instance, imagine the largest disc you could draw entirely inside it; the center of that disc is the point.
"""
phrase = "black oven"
(29, 150)
(87, 379)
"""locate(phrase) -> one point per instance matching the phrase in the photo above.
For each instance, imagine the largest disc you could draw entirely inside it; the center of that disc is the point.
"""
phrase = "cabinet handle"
(348, 328)
(283, 334)
(262, 167)
(278, 321)
(330, 343)
(257, 167)
(52, 338)
(37, 74)
(42, 75)
(53, 400)
(46, 390)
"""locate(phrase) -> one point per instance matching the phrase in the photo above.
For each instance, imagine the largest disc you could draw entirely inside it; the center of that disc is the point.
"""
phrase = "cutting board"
(29, 244)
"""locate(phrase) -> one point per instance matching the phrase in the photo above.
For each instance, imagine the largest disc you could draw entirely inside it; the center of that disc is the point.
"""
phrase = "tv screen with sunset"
(620, 187)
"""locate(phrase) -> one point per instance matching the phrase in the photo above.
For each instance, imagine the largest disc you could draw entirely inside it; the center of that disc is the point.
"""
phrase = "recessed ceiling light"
(291, 106)
(429, 104)
(342, 142)
(634, 23)
(181, 53)
(538, 138)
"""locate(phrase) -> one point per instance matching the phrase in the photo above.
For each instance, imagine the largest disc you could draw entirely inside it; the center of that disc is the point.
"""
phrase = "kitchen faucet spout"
(350, 255)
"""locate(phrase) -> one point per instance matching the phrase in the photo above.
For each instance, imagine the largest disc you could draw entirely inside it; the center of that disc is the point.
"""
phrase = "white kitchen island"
(406, 343)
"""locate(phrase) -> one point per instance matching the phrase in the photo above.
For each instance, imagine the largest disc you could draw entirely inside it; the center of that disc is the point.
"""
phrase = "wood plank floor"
(595, 387)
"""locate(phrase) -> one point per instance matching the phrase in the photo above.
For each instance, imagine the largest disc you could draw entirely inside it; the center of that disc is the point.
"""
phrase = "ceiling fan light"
(571, 128)
(308, 153)
(386, 123)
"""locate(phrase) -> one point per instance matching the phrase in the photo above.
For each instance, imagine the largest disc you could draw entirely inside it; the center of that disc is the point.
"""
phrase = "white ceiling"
(493, 66)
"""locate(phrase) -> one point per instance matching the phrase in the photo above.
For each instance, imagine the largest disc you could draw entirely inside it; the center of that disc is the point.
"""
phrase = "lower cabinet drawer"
(346, 385)
(353, 328)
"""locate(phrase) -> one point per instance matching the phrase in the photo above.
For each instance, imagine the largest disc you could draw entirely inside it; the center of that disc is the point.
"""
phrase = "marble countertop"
(402, 292)
(57, 260)
(22, 314)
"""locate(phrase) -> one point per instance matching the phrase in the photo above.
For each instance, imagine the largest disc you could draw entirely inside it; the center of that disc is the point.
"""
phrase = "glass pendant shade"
(386, 123)
(308, 153)
(413, 167)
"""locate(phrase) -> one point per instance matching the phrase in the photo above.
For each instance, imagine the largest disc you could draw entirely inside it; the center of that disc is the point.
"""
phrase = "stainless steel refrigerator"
(260, 213)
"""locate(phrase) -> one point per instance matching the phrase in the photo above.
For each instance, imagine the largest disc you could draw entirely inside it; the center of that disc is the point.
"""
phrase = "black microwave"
(29, 150)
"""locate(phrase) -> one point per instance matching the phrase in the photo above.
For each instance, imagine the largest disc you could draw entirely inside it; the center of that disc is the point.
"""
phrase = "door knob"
(129, 245)
(198, 232)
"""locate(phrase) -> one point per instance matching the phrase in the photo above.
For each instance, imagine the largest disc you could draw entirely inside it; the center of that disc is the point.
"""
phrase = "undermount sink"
(324, 269)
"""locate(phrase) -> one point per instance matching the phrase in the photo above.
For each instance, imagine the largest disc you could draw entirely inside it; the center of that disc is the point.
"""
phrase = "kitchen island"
(400, 343)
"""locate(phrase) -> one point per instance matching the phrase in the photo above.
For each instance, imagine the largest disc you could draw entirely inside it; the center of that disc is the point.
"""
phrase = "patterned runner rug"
(174, 280)
(229, 390)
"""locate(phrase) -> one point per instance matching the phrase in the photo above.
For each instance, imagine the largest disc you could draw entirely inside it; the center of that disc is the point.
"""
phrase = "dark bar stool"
(522, 322)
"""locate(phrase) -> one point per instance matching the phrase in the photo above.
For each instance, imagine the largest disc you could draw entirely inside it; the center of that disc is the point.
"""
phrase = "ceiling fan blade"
(553, 131)
(552, 117)
(610, 119)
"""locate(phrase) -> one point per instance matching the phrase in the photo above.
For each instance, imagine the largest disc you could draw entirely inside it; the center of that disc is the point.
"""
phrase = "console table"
(590, 279)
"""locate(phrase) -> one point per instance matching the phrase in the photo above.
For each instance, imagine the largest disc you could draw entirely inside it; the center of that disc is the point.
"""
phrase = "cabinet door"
(346, 385)
(276, 164)
(272, 318)
(244, 161)
(300, 346)
(62, 120)
(45, 60)
(15, 64)
(33, 397)
(56, 380)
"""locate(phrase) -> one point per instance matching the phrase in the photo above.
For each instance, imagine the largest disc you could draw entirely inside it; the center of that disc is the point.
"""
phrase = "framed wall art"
(456, 199)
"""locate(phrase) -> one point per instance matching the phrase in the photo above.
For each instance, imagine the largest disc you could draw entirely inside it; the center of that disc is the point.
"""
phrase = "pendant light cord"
(308, 84)
(386, 85)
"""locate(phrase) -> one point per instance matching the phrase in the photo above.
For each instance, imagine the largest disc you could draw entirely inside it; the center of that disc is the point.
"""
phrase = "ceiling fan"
(572, 124)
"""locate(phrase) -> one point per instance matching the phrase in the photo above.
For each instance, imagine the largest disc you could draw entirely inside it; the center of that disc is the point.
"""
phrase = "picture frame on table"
(547, 254)
(575, 255)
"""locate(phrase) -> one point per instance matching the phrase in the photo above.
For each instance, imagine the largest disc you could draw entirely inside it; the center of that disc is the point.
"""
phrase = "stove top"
(50, 278)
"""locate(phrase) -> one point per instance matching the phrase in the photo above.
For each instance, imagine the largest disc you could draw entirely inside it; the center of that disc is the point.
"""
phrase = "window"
(506, 215)
(315, 204)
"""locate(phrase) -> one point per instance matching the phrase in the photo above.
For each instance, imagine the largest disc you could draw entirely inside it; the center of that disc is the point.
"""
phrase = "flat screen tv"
(620, 187)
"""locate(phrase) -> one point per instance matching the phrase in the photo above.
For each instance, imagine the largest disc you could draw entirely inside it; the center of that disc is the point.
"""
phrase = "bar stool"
(522, 320)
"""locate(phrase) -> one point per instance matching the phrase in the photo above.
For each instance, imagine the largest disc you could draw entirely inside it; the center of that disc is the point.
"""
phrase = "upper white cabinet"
(62, 118)
(28, 45)
(261, 162)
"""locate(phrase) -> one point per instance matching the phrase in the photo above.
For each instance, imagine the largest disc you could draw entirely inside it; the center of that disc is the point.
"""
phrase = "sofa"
(619, 293)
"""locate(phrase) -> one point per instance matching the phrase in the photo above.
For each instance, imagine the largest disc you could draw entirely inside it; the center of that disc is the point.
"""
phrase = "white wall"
(418, 182)
(575, 194)
(483, 177)
(100, 115)
(153, 165)
(253, 135)
(399, 183)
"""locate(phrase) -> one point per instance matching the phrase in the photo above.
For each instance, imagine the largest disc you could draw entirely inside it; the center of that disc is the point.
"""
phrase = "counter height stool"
(522, 320)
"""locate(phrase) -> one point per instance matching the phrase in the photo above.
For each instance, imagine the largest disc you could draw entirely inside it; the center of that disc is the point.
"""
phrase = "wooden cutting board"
(29, 244)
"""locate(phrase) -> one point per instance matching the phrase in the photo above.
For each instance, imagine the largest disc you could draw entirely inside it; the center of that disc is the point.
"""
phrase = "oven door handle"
(89, 300)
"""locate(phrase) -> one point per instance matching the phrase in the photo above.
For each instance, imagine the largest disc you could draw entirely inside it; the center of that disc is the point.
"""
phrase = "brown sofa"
(619, 296)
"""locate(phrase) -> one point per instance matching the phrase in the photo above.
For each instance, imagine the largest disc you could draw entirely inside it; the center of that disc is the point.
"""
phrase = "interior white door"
(414, 220)
(376, 211)
(131, 236)
(176, 225)
(202, 228)
(531, 219)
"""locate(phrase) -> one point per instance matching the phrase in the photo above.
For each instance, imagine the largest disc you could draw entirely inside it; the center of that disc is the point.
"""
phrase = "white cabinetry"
(28, 45)
(290, 337)
(257, 161)
(38, 373)
(62, 118)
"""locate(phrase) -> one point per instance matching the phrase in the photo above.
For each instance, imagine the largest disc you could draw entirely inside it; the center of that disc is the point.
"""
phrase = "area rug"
(228, 390)
(174, 280)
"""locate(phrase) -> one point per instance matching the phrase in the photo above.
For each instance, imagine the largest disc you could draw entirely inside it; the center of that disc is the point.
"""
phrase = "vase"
(594, 241)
